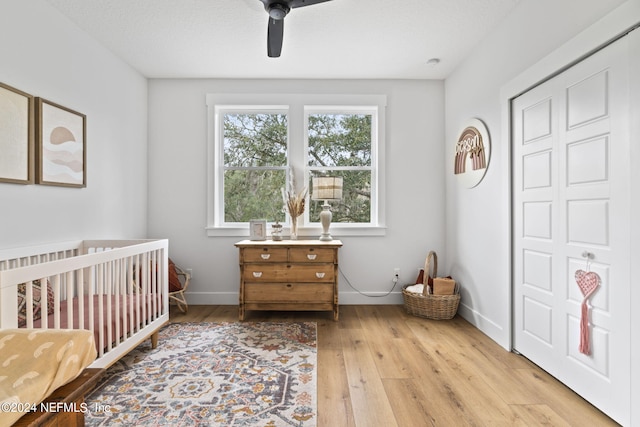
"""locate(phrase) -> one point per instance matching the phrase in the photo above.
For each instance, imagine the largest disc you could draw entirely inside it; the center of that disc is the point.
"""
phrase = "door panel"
(587, 100)
(570, 199)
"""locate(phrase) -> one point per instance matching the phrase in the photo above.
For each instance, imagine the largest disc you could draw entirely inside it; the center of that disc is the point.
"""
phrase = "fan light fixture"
(326, 188)
(278, 11)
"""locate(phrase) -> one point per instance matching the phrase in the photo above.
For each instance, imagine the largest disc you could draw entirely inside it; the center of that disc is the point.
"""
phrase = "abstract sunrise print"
(62, 146)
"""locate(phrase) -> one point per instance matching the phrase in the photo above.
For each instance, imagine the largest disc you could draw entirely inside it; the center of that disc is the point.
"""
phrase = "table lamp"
(326, 188)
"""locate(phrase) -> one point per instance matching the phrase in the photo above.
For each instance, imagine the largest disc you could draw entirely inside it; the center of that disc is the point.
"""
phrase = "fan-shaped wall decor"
(473, 150)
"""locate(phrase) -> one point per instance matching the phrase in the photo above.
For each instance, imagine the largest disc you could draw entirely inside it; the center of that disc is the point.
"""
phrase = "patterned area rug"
(214, 374)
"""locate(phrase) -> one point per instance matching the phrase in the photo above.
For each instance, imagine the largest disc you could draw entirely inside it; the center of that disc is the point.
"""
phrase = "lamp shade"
(327, 188)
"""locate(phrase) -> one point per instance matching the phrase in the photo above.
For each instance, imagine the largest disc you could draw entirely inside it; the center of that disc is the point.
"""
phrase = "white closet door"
(571, 197)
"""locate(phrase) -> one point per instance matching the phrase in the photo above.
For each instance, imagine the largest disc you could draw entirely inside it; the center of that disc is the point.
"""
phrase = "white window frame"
(298, 107)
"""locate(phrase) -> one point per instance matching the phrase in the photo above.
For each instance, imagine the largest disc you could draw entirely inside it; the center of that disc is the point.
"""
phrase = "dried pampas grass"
(296, 202)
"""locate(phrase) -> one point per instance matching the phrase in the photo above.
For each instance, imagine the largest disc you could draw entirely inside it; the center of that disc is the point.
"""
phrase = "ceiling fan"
(277, 10)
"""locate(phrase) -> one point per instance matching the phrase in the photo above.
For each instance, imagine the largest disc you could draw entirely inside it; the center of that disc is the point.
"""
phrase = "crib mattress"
(112, 317)
(33, 363)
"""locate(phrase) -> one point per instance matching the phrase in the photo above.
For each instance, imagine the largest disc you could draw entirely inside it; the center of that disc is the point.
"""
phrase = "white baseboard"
(486, 326)
(348, 298)
(212, 298)
(373, 298)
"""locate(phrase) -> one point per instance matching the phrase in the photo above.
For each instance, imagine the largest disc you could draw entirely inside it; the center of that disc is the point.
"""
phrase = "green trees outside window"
(255, 165)
(256, 155)
(340, 145)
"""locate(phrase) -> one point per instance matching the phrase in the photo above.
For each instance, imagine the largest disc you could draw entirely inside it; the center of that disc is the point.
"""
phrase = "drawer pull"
(319, 275)
(311, 256)
(257, 274)
(289, 285)
(265, 256)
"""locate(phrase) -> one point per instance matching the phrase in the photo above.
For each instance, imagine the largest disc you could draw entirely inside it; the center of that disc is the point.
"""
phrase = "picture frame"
(61, 138)
(16, 136)
(258, 229)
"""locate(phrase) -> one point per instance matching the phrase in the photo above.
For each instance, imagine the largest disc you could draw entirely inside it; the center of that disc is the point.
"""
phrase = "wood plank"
(349, 318)
(388, 337)
(539, 415)
(370, 403)
(334, 400)
(413, 408)
(561, 399)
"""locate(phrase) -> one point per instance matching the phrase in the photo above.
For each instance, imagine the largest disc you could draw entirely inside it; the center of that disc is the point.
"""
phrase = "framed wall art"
(16, 136)
(61, 152)
(258, 229)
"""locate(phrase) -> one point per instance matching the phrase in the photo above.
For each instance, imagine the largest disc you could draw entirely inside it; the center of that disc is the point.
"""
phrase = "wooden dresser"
(288, 275)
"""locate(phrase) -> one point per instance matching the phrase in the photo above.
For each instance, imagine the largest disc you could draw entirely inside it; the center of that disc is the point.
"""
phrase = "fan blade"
(275, 33)
(300, 3)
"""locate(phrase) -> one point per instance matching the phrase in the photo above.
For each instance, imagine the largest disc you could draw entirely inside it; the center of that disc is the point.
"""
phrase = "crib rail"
(116, 288)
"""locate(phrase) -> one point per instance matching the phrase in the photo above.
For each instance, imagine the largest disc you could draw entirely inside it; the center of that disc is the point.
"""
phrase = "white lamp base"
(325, 220)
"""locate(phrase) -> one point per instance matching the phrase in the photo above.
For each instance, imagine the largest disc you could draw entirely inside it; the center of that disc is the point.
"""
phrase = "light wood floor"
(378, 366)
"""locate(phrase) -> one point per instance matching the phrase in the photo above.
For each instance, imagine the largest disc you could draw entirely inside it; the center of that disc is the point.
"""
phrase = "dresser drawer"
(288, 273)
(264, 254)
(288, 292)
(312, 255)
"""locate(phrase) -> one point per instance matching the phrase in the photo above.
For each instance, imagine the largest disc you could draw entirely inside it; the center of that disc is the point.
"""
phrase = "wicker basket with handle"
(436, 307)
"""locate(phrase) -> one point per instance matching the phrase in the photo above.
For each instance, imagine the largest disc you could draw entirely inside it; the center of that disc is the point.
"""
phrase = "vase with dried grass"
(295, 204)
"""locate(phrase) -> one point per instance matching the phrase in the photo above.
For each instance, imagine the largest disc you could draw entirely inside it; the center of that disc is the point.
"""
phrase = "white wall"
(45, 55)
(414, 189)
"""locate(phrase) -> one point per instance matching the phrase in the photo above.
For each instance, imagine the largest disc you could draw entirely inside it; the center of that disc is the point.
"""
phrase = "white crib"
(99, 285)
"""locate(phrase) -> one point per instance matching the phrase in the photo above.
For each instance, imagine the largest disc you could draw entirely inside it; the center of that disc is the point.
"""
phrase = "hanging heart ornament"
(588, 282)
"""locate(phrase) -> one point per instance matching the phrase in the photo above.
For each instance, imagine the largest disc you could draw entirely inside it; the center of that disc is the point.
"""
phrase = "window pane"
(253, 194)
(339, 140)
(255, 139)
(355, 206)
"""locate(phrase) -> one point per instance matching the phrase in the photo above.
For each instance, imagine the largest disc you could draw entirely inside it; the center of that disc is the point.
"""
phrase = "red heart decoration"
(587, 281)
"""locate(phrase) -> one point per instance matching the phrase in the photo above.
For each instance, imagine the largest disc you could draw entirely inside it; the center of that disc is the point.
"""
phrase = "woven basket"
(436, 307)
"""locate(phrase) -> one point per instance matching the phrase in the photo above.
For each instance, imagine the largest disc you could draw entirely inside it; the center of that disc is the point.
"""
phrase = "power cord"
(395, 282)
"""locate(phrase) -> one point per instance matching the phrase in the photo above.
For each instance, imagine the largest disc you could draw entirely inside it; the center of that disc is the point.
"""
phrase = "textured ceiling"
(363, 39)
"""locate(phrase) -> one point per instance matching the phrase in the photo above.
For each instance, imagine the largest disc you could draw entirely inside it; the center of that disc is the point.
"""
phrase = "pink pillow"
(37, 304)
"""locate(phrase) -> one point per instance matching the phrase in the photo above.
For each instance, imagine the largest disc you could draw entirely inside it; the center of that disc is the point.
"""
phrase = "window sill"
(303, 232)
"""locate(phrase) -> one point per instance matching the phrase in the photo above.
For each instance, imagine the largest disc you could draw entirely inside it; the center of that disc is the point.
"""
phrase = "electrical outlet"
(396, 272)
(190, 271)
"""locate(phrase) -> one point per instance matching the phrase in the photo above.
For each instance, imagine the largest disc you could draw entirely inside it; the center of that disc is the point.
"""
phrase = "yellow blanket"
(35, 362)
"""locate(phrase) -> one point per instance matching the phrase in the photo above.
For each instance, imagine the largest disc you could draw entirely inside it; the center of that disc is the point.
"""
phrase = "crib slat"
(29, 303)
(92, 287)
(116, 292)
(131, 285)
(80, 296)
(153, 304)
(100, 324)
(108, 294)
(69, 295)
